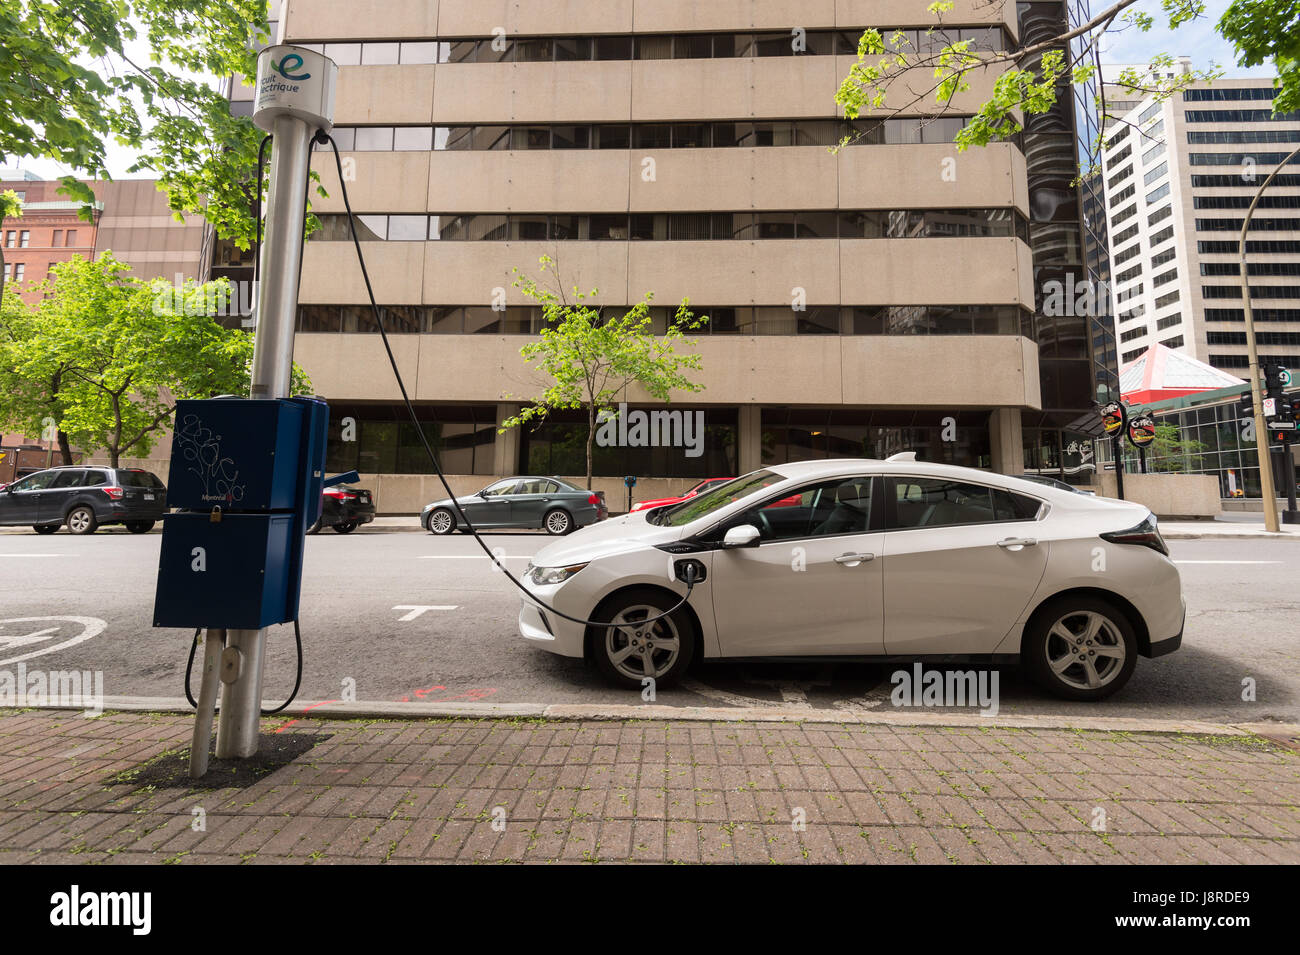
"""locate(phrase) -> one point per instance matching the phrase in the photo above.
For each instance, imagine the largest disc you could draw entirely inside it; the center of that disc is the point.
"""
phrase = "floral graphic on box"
(202, 449)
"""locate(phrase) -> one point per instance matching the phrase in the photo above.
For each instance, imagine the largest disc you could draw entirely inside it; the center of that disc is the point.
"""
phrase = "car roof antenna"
(902, 456)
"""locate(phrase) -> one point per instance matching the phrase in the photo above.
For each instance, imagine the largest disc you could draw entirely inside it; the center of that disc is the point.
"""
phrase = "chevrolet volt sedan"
(526, 502)
(885, 560)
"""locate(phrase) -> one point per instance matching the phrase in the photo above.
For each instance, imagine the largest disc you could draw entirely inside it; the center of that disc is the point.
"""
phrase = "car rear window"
(136, 479)
(95, 479)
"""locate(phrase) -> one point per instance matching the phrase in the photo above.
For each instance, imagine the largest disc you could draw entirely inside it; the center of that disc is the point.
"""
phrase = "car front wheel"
(82, 520)
(139, 527)
(442, 521)
(557, 522)
(347, 528)
(1080, 648)
(630, 651)
(45, 528)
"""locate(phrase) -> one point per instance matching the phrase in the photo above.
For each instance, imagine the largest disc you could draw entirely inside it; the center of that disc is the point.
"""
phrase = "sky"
(1196, 39)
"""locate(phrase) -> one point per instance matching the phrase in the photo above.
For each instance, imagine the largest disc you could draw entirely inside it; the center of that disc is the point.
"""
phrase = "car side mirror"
(746, 535)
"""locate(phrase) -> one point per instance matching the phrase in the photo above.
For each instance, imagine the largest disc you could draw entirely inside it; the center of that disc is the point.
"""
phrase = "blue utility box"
(246, 477)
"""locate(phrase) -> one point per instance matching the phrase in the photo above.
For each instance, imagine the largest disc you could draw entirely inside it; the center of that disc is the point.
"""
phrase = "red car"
(707, 484)
(704, 485)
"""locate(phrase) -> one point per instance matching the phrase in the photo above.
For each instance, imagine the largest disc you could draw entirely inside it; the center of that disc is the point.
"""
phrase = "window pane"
(413, 138)
(344, 54)
(422, 52)
(376, 54)
(408, 228)
(933, 502)
(491, 137)
(613, 48)
(375, 138)
(693, 46)
(570, 137)
(573, 48)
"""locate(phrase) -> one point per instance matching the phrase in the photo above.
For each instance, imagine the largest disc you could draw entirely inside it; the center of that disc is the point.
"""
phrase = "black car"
(344, 509)
(84, 498)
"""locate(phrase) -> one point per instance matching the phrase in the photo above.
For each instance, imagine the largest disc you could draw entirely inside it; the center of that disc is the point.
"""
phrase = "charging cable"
(689, 571)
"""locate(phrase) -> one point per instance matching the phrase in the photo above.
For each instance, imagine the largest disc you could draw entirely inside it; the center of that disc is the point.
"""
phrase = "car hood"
(446, 501)
(617, 535)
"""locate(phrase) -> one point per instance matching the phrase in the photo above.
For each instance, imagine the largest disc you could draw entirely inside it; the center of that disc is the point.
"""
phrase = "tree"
(884, 78)
(594, 357)
(104, 356)
(75, 74)
(10, 208)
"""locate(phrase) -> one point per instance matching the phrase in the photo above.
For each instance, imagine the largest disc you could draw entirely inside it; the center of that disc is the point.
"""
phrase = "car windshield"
(709, 501)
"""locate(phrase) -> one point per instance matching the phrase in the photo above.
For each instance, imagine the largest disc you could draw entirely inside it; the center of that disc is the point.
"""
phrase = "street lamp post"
(1261, 427)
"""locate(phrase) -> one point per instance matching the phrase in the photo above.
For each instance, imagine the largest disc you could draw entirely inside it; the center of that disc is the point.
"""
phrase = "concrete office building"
(1179, 176)
(884, 298)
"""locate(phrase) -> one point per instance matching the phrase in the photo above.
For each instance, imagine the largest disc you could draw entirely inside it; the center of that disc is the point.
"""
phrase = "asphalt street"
(408, 616)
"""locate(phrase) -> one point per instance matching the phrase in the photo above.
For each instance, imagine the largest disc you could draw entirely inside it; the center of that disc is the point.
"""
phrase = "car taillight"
(1145, 534)
(594, 500)
(340, 495)
(114, 493)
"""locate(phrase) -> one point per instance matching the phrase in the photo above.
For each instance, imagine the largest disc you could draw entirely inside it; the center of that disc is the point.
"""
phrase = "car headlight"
(552, 575)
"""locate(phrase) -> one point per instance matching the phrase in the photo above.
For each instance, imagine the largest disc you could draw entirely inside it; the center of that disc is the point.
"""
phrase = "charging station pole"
(295, 98)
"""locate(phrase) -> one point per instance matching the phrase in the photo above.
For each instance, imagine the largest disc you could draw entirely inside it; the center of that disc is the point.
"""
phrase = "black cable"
(297, 681)
(415, 420)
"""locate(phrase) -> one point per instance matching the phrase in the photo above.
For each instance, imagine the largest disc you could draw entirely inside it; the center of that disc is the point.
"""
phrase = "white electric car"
(891, 559)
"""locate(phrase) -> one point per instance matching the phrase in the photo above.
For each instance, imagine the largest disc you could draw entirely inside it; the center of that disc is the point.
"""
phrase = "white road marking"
(38, 555)
(1227, 562)
(472, 557)
(91, 627)
(417, 609)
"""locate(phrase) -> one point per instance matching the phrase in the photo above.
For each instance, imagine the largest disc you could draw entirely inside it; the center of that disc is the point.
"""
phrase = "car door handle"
(852, 560)
(1016, 543)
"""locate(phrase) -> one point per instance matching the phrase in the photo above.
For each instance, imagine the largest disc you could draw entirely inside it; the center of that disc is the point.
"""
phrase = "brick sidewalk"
(113, 789)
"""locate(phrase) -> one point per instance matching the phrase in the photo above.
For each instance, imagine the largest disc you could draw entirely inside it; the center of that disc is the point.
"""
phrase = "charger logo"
(290, 61)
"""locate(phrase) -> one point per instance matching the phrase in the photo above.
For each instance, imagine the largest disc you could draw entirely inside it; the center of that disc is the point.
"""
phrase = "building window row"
(1239, 116)
(1165, 256)
(1160, 215)
(1216, 182)
(1157, 150)
(1240, 159)
(1153, 174)
(1122, 257)
(1126, 234)
(1128, 356)
(1256, 314)
(1164, 278)
(1242, 361)
(1123, 214)
(1126, 337)
(1129, 274)
(1242, 137)
(1256, 291)
(1175, 342)
(1119, 177)
(1167, 299)
(1164, 234)
(1243, 202)
(656, 46)
(677, 226)
(1126, 193)
(1169, 321)
(723, 320)
(938, 129)
(1155, 195)
(1220, 94)
(1232, 247)
(1261, 338)
(1252, 268)
(1256, 225)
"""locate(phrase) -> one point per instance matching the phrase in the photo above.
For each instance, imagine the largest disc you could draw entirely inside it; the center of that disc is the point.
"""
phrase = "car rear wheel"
(1080, 648)
(315, 528)
(630, 651)
(82, 520)
(45, 528)
(139, 527)
(442, 521)
(557, 522)
(347, 528)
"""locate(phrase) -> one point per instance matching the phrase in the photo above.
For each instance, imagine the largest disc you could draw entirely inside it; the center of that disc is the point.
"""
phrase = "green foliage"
(1264, 30)
(76, 73)
(11, 207)
(103, 357)
(593, 357)
(1030, 79)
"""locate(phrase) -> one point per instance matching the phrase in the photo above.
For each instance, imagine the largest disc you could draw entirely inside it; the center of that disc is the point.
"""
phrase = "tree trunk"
(591, 438)
(65, 449)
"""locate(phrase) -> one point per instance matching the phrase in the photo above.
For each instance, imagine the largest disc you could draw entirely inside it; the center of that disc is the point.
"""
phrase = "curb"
(600, 712)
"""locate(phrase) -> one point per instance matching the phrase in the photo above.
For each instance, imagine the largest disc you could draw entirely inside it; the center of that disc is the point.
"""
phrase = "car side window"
(537, 487)
(95, 479)
(840, 506)
(66, 479)
(36, 482)
(501, 487)
(938, 502)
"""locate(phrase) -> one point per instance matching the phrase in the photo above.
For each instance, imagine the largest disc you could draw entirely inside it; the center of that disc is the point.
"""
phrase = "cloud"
(1197, 39)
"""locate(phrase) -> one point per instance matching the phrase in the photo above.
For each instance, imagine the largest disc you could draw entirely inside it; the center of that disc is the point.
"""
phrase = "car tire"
(347, 528)
(558, 521)
(81, 520)
(441, 521)
(139, 527)
(45, 528)
(627, 666)
(1080, 648)
(315, 528)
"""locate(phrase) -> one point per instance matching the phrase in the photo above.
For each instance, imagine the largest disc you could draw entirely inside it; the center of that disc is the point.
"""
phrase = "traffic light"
(1247, 405)
(1275, 379)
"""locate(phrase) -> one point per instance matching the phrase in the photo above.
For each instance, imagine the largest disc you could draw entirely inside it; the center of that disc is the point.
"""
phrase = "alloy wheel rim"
(558, 522)
(79, 520)
(441, 522)
(638, 651)
(1085, 650)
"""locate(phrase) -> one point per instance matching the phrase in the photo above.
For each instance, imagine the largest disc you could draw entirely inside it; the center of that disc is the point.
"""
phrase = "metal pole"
(213, 644)
(1267, 492)
(277, 307)
(1288, 473)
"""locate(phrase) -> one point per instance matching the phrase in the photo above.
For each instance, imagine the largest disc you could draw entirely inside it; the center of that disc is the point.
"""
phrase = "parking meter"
(630, 481)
